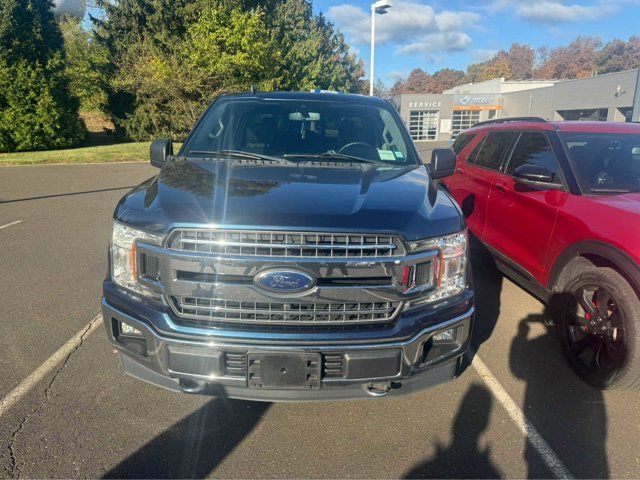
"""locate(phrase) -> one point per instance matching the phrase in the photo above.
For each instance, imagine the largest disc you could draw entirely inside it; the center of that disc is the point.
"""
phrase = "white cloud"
(551, 12)
(396, 75)
(447, 21)
(412, 27)
(438, 42)
(351, 20)
(482, 55)
(496, 6)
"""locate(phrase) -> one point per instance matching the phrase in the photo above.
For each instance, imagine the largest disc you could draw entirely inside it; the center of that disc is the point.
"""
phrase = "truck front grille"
(281, 313)
(285, 244)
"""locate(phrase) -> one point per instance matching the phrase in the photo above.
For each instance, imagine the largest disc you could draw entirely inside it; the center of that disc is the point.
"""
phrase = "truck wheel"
(598, 328)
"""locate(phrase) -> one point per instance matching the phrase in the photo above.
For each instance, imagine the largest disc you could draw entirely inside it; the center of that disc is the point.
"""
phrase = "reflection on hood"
(330, 195)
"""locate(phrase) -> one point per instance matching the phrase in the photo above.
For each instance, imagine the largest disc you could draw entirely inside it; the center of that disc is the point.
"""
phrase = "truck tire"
(598, 326)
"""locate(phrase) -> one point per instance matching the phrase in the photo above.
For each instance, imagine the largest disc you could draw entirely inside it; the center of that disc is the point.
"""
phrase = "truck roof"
(309, 96)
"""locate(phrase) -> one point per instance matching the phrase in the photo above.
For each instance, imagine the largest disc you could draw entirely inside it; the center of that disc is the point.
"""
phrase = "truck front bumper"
(220, 367)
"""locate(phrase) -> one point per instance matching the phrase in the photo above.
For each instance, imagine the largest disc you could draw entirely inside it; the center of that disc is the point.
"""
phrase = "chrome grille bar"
(285, 244)
(222, 243)
(281, 313)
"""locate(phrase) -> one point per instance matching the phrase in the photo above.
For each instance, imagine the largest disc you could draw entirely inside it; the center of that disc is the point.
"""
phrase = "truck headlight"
(124, 257)
(450, 268)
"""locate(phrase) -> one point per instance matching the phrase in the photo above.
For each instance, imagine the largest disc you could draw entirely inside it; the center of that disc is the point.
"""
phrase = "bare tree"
(521, 59)
(576, 60)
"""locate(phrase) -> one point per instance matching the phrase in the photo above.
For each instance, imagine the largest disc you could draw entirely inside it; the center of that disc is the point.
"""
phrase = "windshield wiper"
(331, 155)
(240, 154)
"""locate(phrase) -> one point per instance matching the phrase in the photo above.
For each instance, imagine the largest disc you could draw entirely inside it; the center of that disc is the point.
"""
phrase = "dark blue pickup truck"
(296, 248)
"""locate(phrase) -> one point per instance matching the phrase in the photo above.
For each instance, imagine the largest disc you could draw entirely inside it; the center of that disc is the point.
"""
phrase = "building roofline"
(530, 81)
(566, 80)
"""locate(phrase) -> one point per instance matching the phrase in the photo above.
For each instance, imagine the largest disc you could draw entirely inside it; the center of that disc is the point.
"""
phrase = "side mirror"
(160, 151)
(535, 176)
(443, 163)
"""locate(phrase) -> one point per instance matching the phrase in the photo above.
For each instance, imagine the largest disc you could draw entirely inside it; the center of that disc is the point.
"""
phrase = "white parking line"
(546, 453)
(48, 366)
(548, 456)
(11, 224)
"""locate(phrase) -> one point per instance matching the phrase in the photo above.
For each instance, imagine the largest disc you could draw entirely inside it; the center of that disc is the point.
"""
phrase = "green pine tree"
(311, 53)
(37, 112)
(85, 66)
(130, 27)
(170, 58)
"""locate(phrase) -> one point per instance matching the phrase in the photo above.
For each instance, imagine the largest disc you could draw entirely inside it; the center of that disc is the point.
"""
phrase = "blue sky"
(455, 33)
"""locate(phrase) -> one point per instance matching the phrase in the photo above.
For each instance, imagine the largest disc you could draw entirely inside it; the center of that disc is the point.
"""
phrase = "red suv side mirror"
(535, 176)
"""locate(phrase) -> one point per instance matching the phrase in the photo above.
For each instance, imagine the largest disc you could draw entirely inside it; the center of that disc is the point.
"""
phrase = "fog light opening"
(448, 335)
(126, 329)
(133, 339)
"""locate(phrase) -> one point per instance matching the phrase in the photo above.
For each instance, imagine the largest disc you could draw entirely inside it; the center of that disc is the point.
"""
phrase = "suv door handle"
(460, 171)
(501, 187)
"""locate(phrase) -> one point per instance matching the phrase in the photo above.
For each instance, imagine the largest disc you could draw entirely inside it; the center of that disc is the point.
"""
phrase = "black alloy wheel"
(598, 328)
(595, 330)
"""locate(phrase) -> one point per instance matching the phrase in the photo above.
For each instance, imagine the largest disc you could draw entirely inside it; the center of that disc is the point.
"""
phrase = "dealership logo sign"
(465, 100)
(476, 102)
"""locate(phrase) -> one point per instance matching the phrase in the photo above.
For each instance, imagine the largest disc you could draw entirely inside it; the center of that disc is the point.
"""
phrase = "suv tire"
(601, 343)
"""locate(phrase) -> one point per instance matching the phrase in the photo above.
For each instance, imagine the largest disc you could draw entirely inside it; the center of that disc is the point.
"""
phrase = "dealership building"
(436, 120)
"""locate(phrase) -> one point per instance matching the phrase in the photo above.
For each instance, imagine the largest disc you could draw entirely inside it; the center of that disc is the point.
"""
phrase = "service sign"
(427, 104)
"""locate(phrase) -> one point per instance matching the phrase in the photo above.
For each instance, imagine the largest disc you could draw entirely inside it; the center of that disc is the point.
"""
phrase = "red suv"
(558, 206)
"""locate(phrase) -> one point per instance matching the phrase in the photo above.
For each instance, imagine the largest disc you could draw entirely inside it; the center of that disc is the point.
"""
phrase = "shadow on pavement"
(567, 413)
(194, 446)
(487, 284)
(464, 458)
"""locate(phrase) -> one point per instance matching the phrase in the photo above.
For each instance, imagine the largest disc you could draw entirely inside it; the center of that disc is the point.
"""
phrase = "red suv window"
(533, 148)
(494, 150)
(462, 141)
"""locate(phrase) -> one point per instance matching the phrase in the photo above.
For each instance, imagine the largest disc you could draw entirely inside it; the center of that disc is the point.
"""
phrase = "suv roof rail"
(510, 119)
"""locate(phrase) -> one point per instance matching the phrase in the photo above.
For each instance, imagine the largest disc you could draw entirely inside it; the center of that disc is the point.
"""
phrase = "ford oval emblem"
(285, 281)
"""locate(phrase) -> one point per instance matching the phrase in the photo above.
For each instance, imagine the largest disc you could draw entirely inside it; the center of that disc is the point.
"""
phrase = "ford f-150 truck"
(296, 248)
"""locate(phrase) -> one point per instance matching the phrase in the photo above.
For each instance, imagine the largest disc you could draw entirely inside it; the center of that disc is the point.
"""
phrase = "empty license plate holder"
(286, 371)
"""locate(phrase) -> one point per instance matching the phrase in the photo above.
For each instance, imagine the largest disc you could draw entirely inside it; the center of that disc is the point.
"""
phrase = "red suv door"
(520, 219)
(471, 183)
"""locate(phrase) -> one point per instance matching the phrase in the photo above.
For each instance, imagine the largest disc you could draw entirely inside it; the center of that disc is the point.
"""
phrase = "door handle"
(501, 187)
(460, 171)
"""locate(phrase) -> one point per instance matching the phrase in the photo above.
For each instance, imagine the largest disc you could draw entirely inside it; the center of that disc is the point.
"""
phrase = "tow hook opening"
(189, 385)
(377, 389)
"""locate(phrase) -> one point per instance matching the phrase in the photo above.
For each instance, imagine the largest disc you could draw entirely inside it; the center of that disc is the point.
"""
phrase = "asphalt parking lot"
(516, 411)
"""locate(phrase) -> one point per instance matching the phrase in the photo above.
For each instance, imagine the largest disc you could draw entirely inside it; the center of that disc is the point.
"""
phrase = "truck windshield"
(302, 131)
(604, 163)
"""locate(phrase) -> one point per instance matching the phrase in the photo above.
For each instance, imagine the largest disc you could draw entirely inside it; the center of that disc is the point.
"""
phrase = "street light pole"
(380, 7)
(373, 48)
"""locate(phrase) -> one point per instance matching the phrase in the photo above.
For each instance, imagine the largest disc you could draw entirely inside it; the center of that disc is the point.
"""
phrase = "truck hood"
(338, 196)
